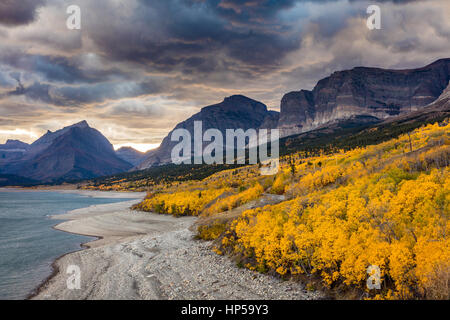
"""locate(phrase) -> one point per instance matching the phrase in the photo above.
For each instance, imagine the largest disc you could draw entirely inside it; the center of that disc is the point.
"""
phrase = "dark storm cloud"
(5, 80)
(254, 11)
(51, 68)
(59, 69)
(244, 37)
(36, 91)
(203, 36)
(77, 96)
(197, 36)
(19, 12)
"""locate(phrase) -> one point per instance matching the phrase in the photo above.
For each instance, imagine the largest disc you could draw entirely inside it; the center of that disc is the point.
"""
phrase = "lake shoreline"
(74, 190)
(141, 255)
(83, 246)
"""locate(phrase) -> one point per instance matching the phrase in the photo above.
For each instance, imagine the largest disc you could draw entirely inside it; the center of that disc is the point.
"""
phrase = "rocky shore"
(149, 256)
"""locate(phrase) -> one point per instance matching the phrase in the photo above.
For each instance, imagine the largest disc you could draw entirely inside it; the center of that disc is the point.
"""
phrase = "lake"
(28, 243)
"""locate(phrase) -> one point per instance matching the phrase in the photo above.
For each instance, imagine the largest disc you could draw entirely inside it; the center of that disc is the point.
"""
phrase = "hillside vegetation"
(385, 205)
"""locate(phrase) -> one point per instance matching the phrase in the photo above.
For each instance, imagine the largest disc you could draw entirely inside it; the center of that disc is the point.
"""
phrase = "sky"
(138, 67)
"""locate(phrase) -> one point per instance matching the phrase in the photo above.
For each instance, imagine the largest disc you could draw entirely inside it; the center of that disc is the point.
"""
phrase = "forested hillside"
(385, 205)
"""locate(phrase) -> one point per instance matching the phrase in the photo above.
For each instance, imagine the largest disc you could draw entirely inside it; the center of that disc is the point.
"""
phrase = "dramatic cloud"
(18, 12)
(138, 67)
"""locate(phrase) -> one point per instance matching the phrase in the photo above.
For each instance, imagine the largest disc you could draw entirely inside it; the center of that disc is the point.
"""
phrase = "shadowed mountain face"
(361, 91)
(14, 144)
(12, 150)
(130, 155)
(75, 152)
(235, 112)
(437, 110)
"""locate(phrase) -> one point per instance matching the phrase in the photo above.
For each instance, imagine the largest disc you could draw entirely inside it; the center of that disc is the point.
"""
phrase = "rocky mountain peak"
(238, 103)
(82, 124)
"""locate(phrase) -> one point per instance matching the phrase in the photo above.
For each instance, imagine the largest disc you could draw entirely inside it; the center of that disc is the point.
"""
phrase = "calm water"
(28, 244)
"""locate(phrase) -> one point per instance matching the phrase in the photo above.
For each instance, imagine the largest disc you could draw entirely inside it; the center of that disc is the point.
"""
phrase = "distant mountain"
(357, 131)
(72, 153)
(370, 92)
(235, 112)
(130, 155)
(12, 150)
(14, 144)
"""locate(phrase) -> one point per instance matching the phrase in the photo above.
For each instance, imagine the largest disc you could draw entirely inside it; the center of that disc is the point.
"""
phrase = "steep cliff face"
(235, 112)
(297, 112)
(439, 109)
(362, 91)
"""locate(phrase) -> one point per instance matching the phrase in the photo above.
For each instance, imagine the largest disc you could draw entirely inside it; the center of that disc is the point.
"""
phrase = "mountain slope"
(72, 153)
(130, 155)
(374, 92)
(12, 180)
(12, 150)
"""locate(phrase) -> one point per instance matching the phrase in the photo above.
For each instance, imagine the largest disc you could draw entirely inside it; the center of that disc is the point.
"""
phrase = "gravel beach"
(149, 256)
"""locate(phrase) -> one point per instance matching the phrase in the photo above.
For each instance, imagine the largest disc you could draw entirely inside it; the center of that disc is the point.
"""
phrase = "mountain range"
(369, 95)
(360, 97)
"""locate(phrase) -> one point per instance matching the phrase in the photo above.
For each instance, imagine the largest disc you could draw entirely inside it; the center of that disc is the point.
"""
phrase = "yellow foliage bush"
(180, 203)
(391, 212)
(386, 205)
(211, 232)
(279, 185)
(236, 200)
